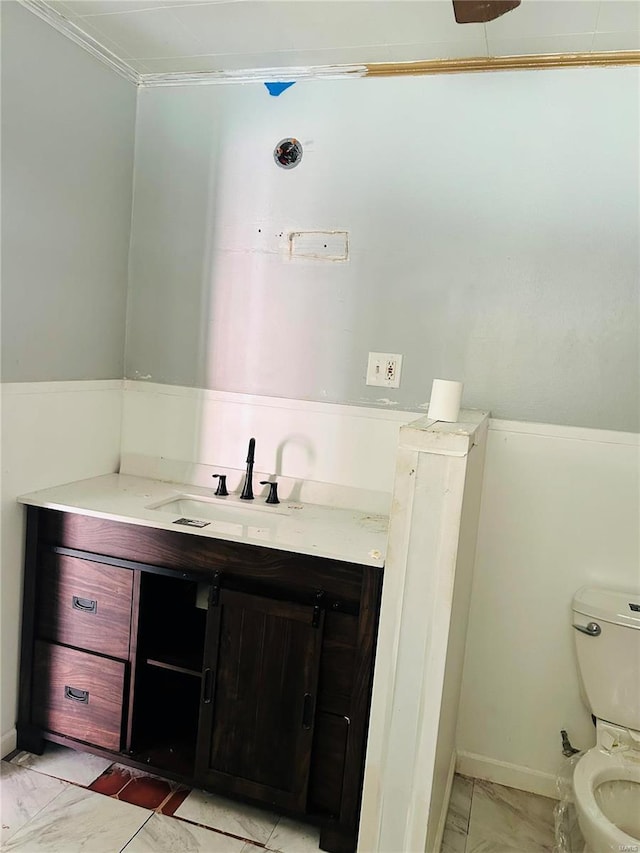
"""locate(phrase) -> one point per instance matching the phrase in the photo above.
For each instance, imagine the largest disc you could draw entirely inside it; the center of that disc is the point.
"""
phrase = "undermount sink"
(218, 509)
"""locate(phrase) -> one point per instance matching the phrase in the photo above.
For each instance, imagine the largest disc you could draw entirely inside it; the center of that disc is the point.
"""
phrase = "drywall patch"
(319, 245)
(276, 89)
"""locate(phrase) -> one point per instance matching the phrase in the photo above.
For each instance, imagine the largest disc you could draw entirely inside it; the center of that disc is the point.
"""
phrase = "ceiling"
(154, 37)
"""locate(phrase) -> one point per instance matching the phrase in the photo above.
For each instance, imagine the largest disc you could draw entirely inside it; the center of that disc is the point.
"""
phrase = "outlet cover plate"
(383, 369)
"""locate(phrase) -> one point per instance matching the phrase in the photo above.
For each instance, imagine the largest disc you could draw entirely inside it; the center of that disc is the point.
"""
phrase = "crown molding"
(505, 63)
(391, 69)
(327, 72)
(254, 75)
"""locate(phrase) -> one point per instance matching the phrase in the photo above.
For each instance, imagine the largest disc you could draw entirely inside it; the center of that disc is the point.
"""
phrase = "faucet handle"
(272, 498)
(222, 484)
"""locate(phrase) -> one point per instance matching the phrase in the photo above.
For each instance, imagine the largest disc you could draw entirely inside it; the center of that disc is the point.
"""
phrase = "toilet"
(606, 779)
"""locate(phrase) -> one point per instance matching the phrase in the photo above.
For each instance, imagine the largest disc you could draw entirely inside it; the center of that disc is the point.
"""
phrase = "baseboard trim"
(8, 742)
(510, 775)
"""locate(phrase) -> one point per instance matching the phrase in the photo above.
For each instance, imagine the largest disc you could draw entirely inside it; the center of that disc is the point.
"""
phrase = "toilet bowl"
(607, 798)
(606, 779)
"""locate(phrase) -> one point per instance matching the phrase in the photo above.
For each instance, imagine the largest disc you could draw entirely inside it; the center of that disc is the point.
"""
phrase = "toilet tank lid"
(618, 607)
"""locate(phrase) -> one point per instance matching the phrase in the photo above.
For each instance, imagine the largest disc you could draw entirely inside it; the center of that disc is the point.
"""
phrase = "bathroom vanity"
(219, 656)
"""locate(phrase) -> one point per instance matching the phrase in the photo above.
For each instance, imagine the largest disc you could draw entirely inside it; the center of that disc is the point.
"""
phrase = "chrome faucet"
(247, 489)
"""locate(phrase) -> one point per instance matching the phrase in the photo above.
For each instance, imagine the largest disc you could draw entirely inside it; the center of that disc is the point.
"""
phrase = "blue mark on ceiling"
(276, 89)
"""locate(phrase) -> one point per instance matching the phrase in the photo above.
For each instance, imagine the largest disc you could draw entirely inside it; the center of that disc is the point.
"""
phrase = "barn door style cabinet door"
(236, 668)
(262, 658)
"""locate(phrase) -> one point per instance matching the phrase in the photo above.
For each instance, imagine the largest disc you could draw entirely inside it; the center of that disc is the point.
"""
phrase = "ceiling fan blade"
(481, 11)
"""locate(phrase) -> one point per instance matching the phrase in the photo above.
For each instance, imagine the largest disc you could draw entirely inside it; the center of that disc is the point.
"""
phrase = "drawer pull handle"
(77, 695)
(86, 605)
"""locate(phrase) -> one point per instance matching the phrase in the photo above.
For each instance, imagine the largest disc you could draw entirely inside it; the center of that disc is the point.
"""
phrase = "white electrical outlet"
(383, 369)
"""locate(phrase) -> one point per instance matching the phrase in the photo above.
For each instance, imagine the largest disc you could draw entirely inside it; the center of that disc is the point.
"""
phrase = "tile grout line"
(466, 837)
(158, 809)
(221, 831)
(136, 832)
(277, 823)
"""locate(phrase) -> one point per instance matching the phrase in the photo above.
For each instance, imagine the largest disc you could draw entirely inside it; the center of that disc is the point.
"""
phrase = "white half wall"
(425, 599)
(52, 432)
(560, 509)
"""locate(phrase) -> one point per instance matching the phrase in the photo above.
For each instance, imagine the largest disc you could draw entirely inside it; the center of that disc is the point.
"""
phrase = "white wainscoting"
(179, 434)
(560, 509)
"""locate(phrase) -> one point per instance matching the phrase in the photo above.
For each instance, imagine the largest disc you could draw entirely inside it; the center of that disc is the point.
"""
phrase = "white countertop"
(305, 528)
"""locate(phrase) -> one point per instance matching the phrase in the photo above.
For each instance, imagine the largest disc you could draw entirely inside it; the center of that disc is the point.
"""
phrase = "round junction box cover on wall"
(288, 153)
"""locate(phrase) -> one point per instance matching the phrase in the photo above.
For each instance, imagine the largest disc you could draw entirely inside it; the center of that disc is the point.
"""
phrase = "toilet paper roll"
(444, 404)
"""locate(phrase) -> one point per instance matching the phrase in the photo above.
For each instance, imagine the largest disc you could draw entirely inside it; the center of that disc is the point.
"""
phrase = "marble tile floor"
(70, 802)
(487, 818)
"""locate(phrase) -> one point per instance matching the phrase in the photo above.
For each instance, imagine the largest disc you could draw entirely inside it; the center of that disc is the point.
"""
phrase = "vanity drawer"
(86, 605)
(78, 694)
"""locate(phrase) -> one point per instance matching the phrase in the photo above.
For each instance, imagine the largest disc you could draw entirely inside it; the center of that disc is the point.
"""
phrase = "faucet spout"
(247, 489)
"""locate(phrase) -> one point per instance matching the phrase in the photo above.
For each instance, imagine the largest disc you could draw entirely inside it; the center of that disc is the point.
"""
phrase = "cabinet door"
(259, 690)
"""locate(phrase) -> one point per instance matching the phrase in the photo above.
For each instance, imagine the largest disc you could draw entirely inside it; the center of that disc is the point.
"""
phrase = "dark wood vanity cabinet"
(241, 669)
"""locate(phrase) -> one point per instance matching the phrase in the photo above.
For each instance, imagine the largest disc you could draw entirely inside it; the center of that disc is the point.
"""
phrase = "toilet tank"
(608, 651)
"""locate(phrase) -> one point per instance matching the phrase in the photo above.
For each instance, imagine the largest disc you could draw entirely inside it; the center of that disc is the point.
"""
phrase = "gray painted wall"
(67, 159)
(493, 224)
